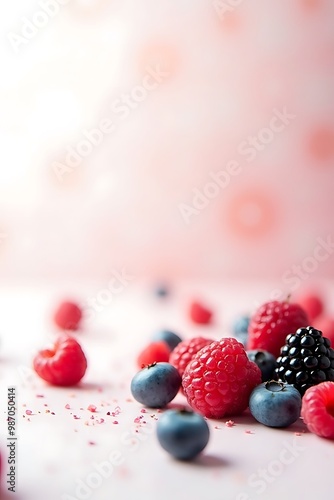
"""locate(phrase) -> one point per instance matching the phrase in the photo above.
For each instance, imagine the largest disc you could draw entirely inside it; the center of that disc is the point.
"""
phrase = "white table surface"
(56, 452)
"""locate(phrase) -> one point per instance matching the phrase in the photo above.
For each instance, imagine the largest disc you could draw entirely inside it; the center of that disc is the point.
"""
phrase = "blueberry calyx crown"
(185, 411)
(149, 366)
(275, 386)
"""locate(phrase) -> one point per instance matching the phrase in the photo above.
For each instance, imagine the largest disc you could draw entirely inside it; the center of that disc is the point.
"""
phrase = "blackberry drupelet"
(306, 359)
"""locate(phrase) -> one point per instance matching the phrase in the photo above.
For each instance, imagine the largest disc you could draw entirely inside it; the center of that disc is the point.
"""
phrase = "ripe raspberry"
(68, 316)
(219, 379)
(306, 359)
(271, 323)
(63, 365)
(154, 353)
(318, 409)
(185, 351)
(199, 313)
(312, 305)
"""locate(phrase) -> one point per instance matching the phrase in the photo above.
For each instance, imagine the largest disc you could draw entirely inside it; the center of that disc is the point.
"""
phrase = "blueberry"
(184, 434)
(275, 404)
(156, 385)
(240, 328)
(161, 290)
(167, 336)
(265, 361)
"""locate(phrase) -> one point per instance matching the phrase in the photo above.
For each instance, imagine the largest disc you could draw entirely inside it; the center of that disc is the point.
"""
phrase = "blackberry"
(306, 359)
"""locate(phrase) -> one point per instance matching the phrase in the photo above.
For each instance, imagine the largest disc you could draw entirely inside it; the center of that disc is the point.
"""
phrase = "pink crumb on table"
(28, 412)
(115, 422)
(67, 406)
(143, 410)
(40, 396)
(247, 431)
(92, 408)
(230, 423)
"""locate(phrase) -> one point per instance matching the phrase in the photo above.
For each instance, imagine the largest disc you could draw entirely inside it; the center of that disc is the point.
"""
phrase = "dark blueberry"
(171, 338)
(265, 361)
(275, 404)
(310, 362)
(156, 385)
(241, 325)
(182, 433)
(161, 290)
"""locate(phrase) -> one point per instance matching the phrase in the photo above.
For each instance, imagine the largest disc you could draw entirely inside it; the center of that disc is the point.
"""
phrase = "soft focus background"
(183, 89)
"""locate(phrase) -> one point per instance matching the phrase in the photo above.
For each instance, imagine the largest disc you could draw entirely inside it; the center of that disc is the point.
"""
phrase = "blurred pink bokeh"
(193, 92)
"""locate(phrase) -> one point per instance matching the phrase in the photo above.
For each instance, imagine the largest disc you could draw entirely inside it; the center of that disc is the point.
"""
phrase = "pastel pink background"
(120, 206)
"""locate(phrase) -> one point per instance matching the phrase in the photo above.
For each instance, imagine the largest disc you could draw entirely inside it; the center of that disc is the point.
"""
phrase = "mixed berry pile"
(278, 366)
(273, 363)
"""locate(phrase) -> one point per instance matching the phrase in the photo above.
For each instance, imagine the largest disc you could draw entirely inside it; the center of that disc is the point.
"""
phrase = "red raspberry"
(199, 314)
(185, 351)
(68, 316)
(272, 322)
(219, 379)
(154, 353)
(63, 365)
(312, 305)
(318, 409)
(326, 325)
